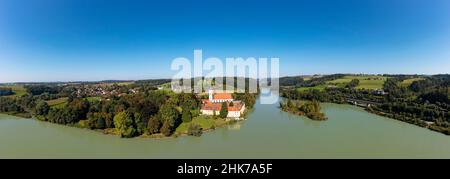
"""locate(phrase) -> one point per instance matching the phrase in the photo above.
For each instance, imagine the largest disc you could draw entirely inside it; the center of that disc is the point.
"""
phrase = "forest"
(6, 91)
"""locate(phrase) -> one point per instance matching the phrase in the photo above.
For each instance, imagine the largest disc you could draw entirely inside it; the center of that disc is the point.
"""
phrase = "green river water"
(350, 132)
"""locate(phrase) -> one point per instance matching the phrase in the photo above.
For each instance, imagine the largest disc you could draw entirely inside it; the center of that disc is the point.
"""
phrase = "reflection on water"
(235, 126)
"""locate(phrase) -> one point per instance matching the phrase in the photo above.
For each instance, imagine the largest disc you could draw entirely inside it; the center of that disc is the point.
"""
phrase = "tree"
(353, 83)
(435, 97)
(187, 116)
(170, 118)
(154, 125)
(169, 113)
(125, 124)
(289, 103)
(194, 130)
(166, 129)
(6, 91)
(42, 108)
(100, 123)
(141, 125)
(39, 89)
(224, 110)
(76, 110)
(97, 120)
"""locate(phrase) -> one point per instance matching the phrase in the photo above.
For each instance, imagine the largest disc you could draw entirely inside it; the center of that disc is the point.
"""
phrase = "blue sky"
(68, 40)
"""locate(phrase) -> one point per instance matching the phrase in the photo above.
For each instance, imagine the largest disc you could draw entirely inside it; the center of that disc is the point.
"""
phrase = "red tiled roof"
(237, 106)
(212, 106)
(223, 96)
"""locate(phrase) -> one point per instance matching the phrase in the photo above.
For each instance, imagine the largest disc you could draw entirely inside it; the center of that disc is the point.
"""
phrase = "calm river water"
(350, 132)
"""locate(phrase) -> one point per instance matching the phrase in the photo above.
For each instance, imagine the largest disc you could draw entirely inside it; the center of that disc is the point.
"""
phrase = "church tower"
(211, 93)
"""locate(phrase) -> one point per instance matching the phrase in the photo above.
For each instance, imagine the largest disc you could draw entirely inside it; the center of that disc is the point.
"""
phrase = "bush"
(224, 111)
(125, 124)
(194, 130)
(154, 124)
(42, 108)
(166, 129)
(187, 116)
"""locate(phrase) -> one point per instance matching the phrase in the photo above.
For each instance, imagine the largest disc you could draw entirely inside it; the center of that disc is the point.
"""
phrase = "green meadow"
(57, 103)
(19, 90)
(365, 82)
(408, 82)
(206, 122)
(320, 88)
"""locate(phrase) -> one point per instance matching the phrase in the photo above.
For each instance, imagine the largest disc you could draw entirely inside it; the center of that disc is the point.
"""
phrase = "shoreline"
(421, 123)
(412, 121)
(302, 115)
(112, 132)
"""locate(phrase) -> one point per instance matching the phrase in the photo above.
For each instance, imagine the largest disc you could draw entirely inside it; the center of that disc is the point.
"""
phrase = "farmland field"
(365, 82)
(57, 103)
(320, 88)
(408, 82)
(93, 99)
(17, 89)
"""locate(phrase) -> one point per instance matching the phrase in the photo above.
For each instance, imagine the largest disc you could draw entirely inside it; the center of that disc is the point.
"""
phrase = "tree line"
(6, 91)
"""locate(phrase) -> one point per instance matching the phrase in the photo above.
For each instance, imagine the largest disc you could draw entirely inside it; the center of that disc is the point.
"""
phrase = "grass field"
(307, 78)
(407, 82)
(320, 88)
(61, 102)
(204, 121)
(93, 99)
(167, 85)
(110, 84)
(18, 89)
(125, 83)
(57, 103)
(365, 81)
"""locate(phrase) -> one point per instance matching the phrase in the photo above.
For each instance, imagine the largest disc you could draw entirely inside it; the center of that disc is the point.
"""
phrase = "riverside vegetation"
(416, 99)
(310, 109)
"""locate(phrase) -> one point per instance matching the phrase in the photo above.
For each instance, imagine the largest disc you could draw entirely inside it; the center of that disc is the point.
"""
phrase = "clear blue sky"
(66, 40)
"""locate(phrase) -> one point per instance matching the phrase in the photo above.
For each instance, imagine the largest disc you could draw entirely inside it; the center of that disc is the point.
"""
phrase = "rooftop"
(207, 105)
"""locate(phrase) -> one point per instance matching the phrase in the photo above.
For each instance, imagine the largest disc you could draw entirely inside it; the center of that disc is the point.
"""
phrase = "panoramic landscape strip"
(150, 108)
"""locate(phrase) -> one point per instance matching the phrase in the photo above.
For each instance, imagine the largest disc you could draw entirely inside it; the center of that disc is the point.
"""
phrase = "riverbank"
(16, 114)
(418, 122)
(207, 124)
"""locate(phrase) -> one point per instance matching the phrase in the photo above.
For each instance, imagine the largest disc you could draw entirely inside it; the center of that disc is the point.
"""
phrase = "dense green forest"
(6, 91)
(419, 100)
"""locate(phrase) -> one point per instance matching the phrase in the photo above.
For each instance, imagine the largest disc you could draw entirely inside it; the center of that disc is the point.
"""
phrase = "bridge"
(363, 103)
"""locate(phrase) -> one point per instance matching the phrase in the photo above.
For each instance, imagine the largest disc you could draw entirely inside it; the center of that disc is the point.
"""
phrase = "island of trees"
(128, 109)
(6, 91)
(417, 99)
(310, 109)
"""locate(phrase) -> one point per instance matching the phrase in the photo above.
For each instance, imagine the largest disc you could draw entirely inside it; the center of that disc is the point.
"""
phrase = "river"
(349, 132)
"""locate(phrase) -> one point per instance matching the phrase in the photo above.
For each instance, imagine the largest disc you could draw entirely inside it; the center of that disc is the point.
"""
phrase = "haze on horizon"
(81, 40)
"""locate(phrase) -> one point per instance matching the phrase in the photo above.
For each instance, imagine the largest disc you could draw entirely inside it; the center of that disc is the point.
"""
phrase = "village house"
(213, 105)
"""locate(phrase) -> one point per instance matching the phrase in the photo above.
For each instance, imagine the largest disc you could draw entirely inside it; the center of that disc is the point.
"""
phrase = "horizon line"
(128, 80)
